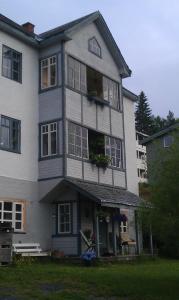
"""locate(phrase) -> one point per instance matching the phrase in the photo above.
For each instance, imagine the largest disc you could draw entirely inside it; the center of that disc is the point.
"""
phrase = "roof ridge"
(71, 23)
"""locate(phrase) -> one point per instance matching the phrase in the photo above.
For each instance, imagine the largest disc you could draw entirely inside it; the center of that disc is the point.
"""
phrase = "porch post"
(114, 235)
(137, 234)
(96, 230)
(151, 242)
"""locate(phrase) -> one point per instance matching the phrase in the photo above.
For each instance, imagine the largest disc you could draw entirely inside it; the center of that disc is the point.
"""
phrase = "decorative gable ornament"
(94, 47)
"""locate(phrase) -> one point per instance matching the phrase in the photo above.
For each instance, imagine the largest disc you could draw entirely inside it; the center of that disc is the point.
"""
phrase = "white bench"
(29, 249)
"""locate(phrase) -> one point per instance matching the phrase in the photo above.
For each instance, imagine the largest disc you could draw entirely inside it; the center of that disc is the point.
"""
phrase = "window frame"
(165, 145)
(10, 147)
(69, 204)
(11, 67)
(14, 212)
(50, 86)
(109, 147)
(82, 81)
(81, 139)
(90, 47)
(123, 227)
(114, 84)
(48, 125)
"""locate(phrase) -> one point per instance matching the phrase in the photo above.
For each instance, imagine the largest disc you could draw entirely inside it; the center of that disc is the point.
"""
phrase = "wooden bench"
(29, 249)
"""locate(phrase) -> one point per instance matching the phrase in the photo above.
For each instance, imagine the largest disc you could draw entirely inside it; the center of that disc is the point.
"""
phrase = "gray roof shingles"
(104, 195)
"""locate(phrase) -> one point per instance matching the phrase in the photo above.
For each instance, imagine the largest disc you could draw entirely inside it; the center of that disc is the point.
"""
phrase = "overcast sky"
(146, 31)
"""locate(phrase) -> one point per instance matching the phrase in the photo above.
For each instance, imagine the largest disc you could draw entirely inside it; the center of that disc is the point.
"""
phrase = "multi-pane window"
(167, 141)
(123, 226)
(64, 218)
(11, 64)
(9, 134)
(94, 46)
(48, 72)
(77, 140)
(111, 92)
(113, 148)
(49, 139)
(76, 74)
(12, 212)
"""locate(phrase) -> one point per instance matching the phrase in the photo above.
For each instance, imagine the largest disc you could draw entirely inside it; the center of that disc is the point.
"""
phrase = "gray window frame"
(11, 67)
(80, 83)
(168, 136)
(48, 125)
(75, 137)
(10, 127)
(91, 50)
(70, 218)
(109, 149)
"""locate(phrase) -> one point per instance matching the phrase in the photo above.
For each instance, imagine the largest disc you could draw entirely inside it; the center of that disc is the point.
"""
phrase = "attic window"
(94, 47)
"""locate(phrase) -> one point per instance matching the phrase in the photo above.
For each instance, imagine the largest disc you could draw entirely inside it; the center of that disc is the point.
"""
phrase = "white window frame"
(81, 140)
(70, 218)
(13, 220)
(109, 149)
(167, 145)
(50, 61)
(48, 132)
(124, 227)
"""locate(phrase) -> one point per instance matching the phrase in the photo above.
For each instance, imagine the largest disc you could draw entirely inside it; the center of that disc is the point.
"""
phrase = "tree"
(164, 198)
(143, 115)
(162, 123)
(170, 119)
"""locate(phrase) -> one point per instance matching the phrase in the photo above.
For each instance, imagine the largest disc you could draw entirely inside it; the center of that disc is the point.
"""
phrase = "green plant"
(100, 160)
(19, 260)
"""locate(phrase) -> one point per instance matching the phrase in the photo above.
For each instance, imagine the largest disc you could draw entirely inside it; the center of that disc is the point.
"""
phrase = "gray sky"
(146, 32)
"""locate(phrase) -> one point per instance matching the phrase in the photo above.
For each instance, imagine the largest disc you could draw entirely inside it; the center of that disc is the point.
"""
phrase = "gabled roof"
(65, 32)
(129, 94)
(101, 194)
(160, 133)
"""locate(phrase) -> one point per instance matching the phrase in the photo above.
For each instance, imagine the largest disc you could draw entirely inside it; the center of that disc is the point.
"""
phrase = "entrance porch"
(104, 214)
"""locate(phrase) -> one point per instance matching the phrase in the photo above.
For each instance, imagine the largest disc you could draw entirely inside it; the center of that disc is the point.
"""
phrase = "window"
(9, 134)
(94, 83)
(77, 140)
(11, 64)
(123, 226)
(167, 141)
(48, 72)
(76, 75)
(94, 46)
(113, 148)
(49, 139)
(13, 213)
(142, 173)
(111, 92)
(64, 218)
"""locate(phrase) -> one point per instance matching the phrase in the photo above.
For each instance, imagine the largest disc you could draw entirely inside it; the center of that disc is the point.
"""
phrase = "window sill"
(50, 157)
(48, 89)
(98, 100)
(9, 150)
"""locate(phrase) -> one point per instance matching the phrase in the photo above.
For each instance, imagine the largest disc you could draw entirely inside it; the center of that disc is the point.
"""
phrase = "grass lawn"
(144, 280)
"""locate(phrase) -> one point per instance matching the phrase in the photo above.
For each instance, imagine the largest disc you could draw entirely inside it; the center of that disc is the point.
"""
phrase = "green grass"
(144, 280)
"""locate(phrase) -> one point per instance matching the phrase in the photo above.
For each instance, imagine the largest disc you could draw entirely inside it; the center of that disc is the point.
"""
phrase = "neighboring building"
(141, 157)
(154, 143)
(63, 114)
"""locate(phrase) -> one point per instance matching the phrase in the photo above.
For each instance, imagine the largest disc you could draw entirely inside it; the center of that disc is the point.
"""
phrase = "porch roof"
(101, 194)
